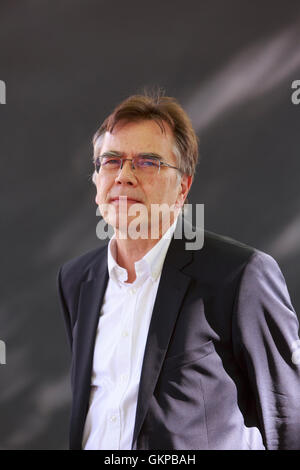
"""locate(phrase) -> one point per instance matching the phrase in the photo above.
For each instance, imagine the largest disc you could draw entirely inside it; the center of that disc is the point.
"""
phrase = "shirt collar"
(151, 263)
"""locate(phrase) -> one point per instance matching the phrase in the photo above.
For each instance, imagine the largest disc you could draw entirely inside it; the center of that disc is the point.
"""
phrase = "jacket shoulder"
(223, 257)
(77, 269)
(225, 248)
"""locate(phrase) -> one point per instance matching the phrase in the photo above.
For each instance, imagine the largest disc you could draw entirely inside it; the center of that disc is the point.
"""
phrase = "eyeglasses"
(143, 164)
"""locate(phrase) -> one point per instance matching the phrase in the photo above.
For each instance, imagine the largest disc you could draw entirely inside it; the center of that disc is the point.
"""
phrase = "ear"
(94, 179)
(185, 185)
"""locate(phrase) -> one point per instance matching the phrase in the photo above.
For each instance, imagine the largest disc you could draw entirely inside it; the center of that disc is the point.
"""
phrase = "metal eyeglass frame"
(122, 160)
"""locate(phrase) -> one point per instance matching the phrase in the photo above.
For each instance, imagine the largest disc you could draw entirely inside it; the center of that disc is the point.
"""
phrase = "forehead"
(137, 137)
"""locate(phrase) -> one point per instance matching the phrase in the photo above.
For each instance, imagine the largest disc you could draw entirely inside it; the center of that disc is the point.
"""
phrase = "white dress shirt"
(119, 348)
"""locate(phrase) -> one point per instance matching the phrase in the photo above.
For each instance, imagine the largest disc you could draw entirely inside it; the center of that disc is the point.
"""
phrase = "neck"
(130, 250)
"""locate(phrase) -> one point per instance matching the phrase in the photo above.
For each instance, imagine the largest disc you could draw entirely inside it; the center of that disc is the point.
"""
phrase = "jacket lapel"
(91, 298)
(172, 288)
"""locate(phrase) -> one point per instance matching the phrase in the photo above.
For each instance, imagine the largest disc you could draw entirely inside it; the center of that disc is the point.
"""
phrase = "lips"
(123, 198)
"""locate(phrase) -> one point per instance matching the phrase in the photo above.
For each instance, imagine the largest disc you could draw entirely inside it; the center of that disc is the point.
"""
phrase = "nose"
(126, 174)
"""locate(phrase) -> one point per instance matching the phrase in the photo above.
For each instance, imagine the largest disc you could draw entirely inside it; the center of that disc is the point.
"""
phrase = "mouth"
(119, 199)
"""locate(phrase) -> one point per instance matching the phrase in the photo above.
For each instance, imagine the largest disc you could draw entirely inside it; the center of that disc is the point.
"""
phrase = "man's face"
(130, 139)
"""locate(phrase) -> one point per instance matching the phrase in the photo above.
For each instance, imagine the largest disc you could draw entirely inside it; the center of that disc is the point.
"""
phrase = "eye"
(110, 161)
(144, 162)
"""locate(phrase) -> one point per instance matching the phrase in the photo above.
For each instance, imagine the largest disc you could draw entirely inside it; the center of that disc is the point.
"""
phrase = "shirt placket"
(123, 358)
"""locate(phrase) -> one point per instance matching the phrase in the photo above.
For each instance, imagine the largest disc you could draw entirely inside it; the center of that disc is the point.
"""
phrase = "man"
(173, 348)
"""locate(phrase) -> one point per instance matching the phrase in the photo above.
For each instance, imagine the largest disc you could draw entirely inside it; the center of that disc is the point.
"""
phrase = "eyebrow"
(114, 153)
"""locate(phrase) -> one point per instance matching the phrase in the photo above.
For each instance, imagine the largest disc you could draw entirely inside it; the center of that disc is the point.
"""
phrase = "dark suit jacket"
(217, 370)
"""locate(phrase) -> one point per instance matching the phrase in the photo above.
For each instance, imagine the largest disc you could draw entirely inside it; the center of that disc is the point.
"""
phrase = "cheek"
(164, 190)
(98, 193)
(152, 191)
(102, 188)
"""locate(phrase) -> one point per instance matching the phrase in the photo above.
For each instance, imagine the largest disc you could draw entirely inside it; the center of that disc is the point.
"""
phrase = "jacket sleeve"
(265, 340)
(63, 306)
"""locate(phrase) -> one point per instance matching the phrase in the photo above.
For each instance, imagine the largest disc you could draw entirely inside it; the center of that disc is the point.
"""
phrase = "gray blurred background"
(66, 64)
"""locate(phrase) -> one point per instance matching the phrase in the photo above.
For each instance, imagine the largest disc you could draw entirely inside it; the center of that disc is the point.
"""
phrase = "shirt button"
(113, 419)
(124, 377)
(132, 291)
(125, 334)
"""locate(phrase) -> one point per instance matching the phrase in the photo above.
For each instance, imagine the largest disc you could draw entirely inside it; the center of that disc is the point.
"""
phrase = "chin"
(133, 227)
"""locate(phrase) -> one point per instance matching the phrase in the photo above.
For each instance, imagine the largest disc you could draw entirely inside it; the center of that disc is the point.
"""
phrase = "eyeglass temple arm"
(171, 166)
